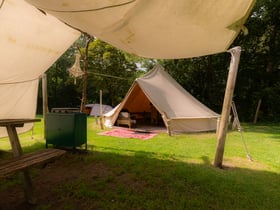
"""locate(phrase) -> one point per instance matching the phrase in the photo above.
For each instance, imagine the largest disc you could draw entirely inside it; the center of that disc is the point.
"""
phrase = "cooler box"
(66, 129)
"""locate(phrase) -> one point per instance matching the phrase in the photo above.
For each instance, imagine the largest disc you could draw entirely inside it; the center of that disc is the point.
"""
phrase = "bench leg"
(17, 151)
(28, 189)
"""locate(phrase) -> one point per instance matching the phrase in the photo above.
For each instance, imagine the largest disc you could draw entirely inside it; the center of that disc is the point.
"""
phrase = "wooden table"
(11, 125)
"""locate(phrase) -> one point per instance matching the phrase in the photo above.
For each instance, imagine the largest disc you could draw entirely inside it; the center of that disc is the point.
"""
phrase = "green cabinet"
(66, 129)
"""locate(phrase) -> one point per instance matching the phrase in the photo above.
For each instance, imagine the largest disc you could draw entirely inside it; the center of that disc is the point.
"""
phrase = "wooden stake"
(235, 57)
(257, 111)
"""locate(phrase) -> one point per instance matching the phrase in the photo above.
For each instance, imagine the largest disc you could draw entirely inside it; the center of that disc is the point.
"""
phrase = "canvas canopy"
(179, 28)
(30, 42)
(181, 112)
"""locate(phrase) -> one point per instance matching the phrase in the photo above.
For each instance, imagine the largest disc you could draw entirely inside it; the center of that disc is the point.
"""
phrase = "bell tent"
(178, 109)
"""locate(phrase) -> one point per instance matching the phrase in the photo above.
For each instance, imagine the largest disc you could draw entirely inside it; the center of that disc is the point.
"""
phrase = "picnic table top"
(5, 122)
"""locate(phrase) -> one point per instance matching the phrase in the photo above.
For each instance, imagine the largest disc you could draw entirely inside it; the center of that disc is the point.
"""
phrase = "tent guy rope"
(239, 128)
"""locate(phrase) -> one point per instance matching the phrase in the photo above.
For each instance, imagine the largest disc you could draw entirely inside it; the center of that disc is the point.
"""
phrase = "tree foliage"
(258, 77)
(61, 90)
(110, 71)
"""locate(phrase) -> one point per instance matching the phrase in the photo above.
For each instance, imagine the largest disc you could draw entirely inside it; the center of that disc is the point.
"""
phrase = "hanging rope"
(91, 9)
(107, 75)
(18, 82)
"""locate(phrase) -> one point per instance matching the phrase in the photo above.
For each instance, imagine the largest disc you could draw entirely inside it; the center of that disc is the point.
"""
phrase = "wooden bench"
(21, 161)
(15, 164)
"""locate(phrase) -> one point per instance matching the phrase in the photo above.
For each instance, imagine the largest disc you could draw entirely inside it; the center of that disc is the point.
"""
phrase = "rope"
(11, 83)
(236, 120)
(107, 75)
(90, 10)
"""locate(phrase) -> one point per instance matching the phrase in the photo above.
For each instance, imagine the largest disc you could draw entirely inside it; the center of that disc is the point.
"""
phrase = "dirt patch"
(47, 180)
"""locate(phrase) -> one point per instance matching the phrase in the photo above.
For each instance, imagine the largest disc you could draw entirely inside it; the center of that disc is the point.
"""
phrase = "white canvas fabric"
(30, 42)
(156, 28)
(111, 116)
(95, 109)
(180, 110)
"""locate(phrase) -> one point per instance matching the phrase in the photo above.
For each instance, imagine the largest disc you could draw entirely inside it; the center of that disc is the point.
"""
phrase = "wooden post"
(101, 111)
(45, 100)
(257, 111)
(85, 77)
(235, 57)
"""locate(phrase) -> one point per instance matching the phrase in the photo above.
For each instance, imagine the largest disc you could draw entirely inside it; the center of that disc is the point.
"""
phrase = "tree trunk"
(85, 76)
(257, 111)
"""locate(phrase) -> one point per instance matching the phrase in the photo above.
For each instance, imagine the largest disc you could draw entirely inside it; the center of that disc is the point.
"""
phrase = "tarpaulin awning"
(156, 28)
(30, 42)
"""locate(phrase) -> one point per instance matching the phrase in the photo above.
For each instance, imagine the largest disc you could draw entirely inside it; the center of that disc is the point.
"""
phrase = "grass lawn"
(166, 172)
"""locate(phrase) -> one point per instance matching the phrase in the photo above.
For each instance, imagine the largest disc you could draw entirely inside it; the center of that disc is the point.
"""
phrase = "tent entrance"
(141, 109)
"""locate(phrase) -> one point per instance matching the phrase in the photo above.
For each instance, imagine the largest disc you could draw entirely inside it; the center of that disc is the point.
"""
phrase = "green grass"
(170, 172)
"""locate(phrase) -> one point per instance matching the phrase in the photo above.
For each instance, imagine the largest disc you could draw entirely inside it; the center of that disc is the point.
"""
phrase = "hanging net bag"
(75, 71)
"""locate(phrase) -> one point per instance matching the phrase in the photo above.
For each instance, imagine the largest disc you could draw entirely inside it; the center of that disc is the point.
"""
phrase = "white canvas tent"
(95, 109)
(180, 110)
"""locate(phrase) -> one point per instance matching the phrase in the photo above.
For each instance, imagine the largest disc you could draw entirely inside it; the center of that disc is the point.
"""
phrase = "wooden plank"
(27, 160)
(17, 122)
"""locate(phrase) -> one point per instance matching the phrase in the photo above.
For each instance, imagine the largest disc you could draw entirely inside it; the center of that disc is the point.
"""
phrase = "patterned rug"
(130, 133)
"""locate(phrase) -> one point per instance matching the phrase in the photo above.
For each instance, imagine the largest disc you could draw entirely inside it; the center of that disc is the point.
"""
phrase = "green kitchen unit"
(66, 129)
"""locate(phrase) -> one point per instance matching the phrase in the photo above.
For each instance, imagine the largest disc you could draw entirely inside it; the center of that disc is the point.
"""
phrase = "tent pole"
(101, 111)
(235, 57)
(45, 100)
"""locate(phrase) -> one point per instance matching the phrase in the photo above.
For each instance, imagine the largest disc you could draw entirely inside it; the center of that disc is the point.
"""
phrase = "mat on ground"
(130, 133)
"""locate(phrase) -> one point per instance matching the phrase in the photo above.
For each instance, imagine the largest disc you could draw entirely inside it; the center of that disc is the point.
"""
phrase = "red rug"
(130, 133)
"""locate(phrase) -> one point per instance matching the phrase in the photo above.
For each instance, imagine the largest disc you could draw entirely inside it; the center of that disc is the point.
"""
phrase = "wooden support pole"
(45, 100)
(85, 76)
(235, 57)
(101, 111)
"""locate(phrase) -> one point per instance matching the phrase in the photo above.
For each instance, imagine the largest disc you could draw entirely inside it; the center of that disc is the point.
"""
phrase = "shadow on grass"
(273, 129)
(138, 180)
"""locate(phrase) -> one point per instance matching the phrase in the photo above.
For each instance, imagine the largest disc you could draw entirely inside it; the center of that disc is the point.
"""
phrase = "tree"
(259, 73)
(109, 71)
